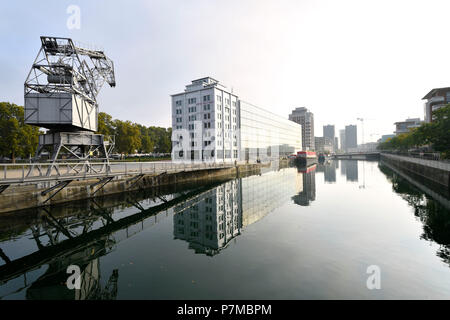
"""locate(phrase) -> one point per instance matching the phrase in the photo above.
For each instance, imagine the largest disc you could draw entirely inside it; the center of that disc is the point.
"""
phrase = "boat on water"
(306, 158)
(321, 158)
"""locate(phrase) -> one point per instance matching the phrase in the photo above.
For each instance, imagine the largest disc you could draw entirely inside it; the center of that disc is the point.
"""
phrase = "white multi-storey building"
(205, 122)
(210, 123)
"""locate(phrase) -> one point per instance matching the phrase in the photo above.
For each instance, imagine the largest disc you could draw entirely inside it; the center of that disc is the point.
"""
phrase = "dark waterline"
(286, 234)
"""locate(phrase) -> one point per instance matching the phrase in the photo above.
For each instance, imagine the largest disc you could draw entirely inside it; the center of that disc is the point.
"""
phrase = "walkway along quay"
(433, 170)
(25, 186)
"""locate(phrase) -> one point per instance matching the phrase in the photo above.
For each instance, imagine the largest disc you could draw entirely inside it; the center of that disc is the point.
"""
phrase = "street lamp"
(362, 124)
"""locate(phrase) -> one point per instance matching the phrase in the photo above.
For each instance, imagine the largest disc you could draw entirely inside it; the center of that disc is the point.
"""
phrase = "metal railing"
(436, 156)
(443, 165)
(29, 172)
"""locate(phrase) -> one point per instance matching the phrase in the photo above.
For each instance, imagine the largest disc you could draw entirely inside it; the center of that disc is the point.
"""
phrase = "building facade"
(405, 126)
(351, 138)
(385, 137)
(210, 123)
(436, 99)
(342, 138)
(328, 131)
(306, 119)
(324, 144)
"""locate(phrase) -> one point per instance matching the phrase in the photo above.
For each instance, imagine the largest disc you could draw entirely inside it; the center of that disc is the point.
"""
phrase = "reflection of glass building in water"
(211, 220)
(330, 172)
(308, 194)
(351, 170)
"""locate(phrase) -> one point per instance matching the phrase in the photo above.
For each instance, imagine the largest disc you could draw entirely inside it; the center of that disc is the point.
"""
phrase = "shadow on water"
(431, 206)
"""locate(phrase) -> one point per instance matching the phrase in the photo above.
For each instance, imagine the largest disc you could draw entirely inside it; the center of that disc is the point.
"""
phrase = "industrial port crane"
(61, 95)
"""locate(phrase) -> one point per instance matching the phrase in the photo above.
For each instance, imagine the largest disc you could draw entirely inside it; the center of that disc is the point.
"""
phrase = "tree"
(147, 144)
(435, 134)
(440, 130)
(128, 138)
(105, 124)
(17, 138)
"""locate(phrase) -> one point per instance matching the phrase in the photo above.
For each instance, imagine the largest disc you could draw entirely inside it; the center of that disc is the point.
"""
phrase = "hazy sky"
(341, 59)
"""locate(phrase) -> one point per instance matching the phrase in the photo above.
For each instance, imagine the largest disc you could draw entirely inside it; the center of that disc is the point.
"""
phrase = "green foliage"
(17, 138)
(105, 124)
(131, 137)
(436, 134)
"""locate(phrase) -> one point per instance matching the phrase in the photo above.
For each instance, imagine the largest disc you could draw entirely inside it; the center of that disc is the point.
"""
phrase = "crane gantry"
(61, 95)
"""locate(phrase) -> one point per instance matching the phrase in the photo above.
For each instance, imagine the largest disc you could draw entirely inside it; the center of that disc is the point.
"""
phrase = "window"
(178, 111)
(179, 120)
(206, 98)
(178, 103)
(219, 98)
(192, 109)
(192, 100)
(234, 103)
(207, 116)
(207, 124)
(207, 107)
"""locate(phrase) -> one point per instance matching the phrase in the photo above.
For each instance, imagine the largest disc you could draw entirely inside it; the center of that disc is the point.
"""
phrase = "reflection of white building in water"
(349, 168)
(211, 220)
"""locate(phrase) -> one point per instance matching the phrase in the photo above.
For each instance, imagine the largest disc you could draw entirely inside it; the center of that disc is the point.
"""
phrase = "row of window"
(193, 100)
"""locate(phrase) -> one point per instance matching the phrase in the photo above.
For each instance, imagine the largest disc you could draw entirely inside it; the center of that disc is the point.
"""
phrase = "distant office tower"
(342, 138)
(306, 119)
(351, 137)
(336, 144)
(328, 132)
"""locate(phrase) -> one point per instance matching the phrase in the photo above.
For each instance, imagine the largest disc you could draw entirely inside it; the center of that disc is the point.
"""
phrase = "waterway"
(316, 233)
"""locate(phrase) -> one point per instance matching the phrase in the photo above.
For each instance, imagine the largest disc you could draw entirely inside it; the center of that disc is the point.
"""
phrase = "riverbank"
(25, 196)
(434, 171)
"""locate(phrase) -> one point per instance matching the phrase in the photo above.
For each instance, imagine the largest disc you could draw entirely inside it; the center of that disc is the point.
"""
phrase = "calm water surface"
(286, 234)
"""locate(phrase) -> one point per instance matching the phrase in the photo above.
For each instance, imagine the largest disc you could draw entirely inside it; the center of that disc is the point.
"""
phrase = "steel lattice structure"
(61, 95)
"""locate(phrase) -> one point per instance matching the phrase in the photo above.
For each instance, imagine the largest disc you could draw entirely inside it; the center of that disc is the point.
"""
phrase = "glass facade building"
(210, 123)
(265, 135)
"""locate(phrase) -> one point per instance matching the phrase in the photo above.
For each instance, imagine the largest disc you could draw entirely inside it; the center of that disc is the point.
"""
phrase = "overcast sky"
(341, 59)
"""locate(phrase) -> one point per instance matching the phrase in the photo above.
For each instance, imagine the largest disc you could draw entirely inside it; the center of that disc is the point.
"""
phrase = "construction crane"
(362, 125)
(61, 95)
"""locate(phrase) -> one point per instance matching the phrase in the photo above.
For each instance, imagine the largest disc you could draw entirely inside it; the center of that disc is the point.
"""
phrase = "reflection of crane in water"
(51, 285)
(73, 240)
